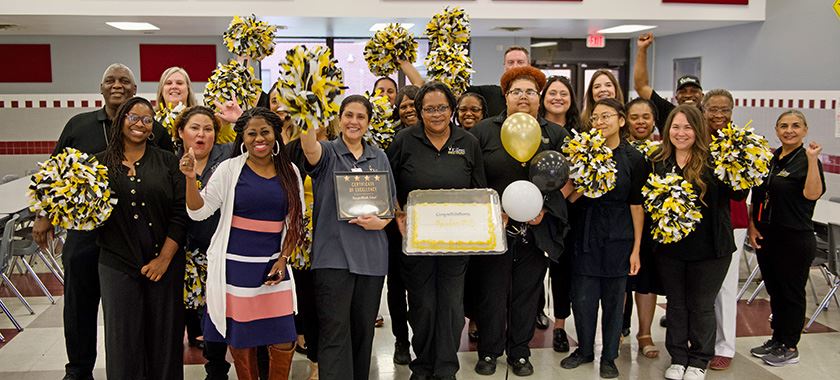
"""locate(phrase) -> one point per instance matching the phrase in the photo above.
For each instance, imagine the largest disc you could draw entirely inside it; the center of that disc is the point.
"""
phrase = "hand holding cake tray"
(454, 222)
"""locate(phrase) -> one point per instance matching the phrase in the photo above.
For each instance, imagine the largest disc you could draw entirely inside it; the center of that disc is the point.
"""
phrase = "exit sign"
(595, 41)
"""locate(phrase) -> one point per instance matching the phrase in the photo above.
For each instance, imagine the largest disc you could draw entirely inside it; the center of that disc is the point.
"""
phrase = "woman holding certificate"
(435, 154)
(349, 257)
(509, 283)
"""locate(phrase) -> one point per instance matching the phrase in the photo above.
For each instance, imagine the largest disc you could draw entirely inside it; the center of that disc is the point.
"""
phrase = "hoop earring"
(276, 145)
(242, 148)
(151, 136)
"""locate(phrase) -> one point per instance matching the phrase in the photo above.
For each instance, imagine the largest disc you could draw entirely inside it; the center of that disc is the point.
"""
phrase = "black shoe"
(625, 332)
(473, 336)
(521, 367)
(196, 343)
(73, 376)
(450, 377)
(415, 376)
(486, 366)
(575, 360)
(608, 369)
(300, 349)
(542, 320)
(561, 341)
(401, 354)
(663, 321)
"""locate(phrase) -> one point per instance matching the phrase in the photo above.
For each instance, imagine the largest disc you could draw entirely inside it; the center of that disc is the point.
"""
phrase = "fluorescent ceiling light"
(132, 25)
(381, 25)
(626, 29)
(544, 44)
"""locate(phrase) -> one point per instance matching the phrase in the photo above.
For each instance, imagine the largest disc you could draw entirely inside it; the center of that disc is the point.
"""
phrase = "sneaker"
(522, 367)
(781, 356)
(675, 372)
(608, 369)
(486, 366)
(575, 360)
(561, 341)
(401, 354)
(694, 373)
(720, 363)
(764, 349)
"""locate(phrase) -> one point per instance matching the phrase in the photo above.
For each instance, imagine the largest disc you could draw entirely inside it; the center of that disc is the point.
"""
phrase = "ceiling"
(64, 25)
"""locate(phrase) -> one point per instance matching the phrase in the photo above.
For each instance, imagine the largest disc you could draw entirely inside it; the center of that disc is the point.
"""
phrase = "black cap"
(688, 80)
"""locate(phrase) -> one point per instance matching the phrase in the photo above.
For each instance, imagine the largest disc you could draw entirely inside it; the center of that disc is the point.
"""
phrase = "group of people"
(241, 242)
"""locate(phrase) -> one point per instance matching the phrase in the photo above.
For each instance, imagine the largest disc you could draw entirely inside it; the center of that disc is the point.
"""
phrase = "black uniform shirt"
(712, 237)
(663, 109)
(150, 208)
(603, 227)
(417, 164)
(787, 206)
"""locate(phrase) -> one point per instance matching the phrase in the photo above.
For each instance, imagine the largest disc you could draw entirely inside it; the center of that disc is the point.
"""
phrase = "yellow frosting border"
(454, 245)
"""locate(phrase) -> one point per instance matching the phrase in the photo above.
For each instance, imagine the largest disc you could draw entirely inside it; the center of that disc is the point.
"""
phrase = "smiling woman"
(175, 88)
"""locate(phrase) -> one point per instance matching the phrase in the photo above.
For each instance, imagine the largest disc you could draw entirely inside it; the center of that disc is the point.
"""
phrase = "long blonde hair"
(698, 159)
(166, 74)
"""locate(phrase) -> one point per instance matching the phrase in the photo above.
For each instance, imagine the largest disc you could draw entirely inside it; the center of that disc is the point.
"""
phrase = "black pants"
(347, 305)
(435, 297)
(306, 320)
(561, 286)
(192, 320)
(691, 288)
(508, 299)
(785, 259)
(81, 301)
(472, 289)
(397, 305)
(627, 317)
(217, 366)
(144, 324)
(587, 291)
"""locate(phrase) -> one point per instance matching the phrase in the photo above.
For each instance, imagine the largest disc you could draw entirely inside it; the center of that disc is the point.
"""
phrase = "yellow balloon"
(521, 136)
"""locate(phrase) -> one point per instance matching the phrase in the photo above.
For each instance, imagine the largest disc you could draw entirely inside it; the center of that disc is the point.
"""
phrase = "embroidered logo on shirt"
(456, 151)
(783, 173)
(545, 140)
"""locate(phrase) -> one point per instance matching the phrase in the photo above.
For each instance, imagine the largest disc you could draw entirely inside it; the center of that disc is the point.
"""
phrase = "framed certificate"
(454, 222)
(363, 193)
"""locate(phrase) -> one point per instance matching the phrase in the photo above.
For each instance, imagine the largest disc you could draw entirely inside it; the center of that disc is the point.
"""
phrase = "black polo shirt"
(494, 97)
(663, 109)
(88, 132)
(787, 206)
(417, 164)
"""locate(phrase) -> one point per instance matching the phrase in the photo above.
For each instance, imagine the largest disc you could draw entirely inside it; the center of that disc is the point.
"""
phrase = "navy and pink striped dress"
(257, 314)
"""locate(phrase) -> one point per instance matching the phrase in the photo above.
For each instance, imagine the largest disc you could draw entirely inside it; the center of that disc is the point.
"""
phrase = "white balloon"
(522, 201)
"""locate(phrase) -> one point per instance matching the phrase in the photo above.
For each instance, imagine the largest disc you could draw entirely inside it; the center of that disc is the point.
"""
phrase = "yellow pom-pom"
(741, 156)
(647, 147)
(381, 131)
(451, 65)
(387, 47)
(310, 81)
(450, 27)
(249, 37)
(670, 202)
(166, 114)
(592, 165)
(233, 80)
(71, 189)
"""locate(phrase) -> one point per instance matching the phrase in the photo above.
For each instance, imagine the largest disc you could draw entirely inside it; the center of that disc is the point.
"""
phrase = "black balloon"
(549, 170)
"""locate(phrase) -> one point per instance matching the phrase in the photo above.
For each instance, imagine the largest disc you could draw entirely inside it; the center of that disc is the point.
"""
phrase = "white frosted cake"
(452, 227)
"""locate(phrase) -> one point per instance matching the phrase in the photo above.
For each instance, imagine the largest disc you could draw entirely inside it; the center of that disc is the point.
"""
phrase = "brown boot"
(245, 362)
(280, 361)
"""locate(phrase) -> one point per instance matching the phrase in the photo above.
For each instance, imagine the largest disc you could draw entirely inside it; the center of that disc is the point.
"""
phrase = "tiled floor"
(38, 352)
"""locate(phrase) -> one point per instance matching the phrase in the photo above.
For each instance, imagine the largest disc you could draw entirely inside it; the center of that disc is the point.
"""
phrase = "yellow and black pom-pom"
(310, 81)
(387, 47)
(592, 165)
(451, 65)
(249, 37)
(71, 190)
(647, 147)
(450, 27)
(381, 131)
(741, 156)
(670, 202)
(166, 114)
(233, 80)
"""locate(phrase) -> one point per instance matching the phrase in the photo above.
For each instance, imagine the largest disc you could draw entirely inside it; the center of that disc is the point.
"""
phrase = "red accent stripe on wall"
(198, 60)
(25, 63)
(26, 147)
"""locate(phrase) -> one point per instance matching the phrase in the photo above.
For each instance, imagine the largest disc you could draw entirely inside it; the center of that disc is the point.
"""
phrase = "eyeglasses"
(715, 110)
(132, 118)
(432, 110)
(518, 92)
(602, 117)
(469, 109)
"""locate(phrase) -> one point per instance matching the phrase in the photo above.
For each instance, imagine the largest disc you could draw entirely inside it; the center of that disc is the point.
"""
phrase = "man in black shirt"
(515, 56)
(88, 132)
(688, 86)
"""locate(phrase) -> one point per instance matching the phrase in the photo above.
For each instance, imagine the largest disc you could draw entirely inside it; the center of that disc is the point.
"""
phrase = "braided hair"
(115, 152)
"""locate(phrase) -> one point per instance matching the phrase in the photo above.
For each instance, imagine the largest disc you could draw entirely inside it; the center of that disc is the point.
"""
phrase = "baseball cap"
(688, 80)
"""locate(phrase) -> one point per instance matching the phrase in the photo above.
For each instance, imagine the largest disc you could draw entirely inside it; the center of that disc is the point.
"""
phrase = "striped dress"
(256, 314)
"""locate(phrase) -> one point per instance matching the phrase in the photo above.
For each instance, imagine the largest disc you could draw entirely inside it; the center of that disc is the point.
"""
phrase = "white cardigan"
(220, 193)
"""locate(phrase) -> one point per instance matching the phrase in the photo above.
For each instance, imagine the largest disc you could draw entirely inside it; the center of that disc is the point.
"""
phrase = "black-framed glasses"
(132, 118)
